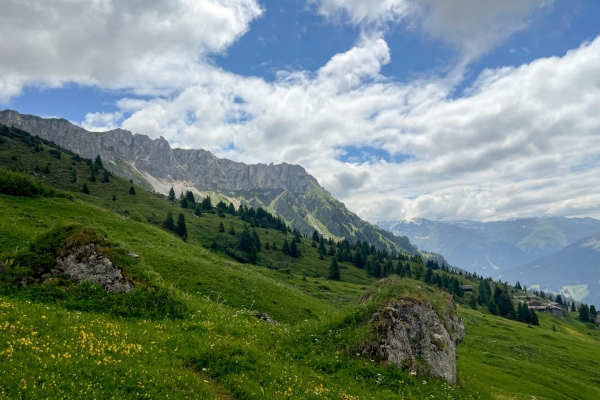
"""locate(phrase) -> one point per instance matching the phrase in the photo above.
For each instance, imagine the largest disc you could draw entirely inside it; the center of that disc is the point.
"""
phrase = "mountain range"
(286, 190)
(550, 253)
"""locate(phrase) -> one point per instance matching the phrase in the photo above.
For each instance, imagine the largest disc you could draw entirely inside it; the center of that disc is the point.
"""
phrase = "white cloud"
(148, 46)
(473, 26)
(523, 141)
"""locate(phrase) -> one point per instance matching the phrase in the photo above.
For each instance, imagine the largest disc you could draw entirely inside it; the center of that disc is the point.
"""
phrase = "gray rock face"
(85, 264)
(286, 189)
(409, 331)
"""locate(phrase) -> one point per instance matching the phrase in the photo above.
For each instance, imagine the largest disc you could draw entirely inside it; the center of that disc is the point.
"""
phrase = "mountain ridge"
(285, 189)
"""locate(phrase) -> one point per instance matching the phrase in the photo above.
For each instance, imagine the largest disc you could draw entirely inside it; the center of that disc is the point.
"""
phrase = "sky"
(439, 109)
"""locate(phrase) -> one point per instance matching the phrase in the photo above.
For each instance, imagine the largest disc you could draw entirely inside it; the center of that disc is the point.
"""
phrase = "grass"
(217, 348)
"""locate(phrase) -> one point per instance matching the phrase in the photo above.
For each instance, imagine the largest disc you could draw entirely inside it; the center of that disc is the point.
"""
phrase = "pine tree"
(573, 306)
(172, 195)
(593, 313)
(221, 227)
(207, 203)
(294, 249)
(98, 162)
(428, 276)
(132, 190)
(559, 299)
(92, 176)
(198, 210)
(534, 317)
(184, 203)
(286, 247)
(169, 222)
(334, 270)
(85, 189)
(315, 236)
(190, 199)
(46, 169)
(181, 229)
(114, 198)
(473, 302)
(584, 313)
(73, 176)
(106, 176)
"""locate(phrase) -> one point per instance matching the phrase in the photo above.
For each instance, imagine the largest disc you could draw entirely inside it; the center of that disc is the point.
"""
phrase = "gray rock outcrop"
(412, 336)
(86, 264)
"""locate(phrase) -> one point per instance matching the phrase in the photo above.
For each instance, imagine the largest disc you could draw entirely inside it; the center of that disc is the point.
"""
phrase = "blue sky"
(290, 35)
(445, 109)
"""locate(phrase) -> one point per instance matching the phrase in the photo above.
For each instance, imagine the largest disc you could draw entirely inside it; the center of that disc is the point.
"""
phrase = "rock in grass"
(86, 264)
(410, 334)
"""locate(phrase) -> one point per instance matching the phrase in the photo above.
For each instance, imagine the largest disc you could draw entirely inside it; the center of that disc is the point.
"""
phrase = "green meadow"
(191, 331)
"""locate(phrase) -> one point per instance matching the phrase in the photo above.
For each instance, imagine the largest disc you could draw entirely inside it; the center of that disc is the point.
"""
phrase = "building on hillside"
(561, 306)
(467, 288)
(551, 308)
(554, 310)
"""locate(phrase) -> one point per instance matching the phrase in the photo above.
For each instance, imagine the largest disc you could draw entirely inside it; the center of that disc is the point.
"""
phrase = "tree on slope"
(334, 270)
(181, 229)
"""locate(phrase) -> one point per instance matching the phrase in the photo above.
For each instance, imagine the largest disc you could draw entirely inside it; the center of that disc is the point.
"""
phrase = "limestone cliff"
(286, 190)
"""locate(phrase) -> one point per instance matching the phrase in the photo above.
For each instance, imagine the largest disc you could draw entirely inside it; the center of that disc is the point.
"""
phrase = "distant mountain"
(574, 270)
(490, 248)
(286, 190)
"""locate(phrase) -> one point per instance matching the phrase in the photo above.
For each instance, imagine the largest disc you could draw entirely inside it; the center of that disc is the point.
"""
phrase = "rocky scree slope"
(286, 190)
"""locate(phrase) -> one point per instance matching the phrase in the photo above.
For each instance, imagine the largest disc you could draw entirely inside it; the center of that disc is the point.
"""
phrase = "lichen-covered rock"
(411, 335)
(86, 264)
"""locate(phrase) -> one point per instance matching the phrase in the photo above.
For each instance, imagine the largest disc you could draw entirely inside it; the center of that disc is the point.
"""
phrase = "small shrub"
(18, 184)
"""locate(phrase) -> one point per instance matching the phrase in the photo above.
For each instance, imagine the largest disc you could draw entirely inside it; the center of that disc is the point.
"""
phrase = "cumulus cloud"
(151, 47)
(523, 141)
(473, 26)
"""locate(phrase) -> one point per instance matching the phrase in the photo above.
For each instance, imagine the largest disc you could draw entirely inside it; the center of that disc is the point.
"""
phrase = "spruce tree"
(573, 306)
(85, 189)
(92, 176)
(198, 210)
(169, 222)
(171, 195)
(221, 227)
(184, 203)
(231, 230)
(207, 203)
(73, 176)
(181, 229)
(98, 162)
(315, 236)
(46, 169)
(132, 190)
(593, 313)
(534, 317)
(190, 199)
(286, 247)
(293, 249)
(334, 270)
(473, 302)
(114, 198)
(106, 176)
(584, 313)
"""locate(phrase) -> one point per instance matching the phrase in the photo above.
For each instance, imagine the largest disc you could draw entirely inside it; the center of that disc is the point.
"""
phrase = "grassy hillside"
(54, 344)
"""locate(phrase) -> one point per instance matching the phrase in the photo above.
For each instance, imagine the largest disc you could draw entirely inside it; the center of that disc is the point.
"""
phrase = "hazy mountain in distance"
(491, 247)
(574, 270)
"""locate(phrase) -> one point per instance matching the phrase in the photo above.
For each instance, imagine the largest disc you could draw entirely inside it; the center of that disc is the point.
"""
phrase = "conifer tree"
(584, 313)
(98, 162)
(315, 236)
(294, 249)
(534, 317)
(198, 210)
(184, 203)
(573, 306)
(171, 195)
(85, 189)
(231, 230)
(207, 203)
(473, 301)
(274, 246)
(190, 199)
(286, 247)
(92, 176)
(114, 198)
(73, 176)
(221, 227)
(334, 270)
(106, 176)
(169, 222)
(132, 190)
(593, 313)
(181, 229)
